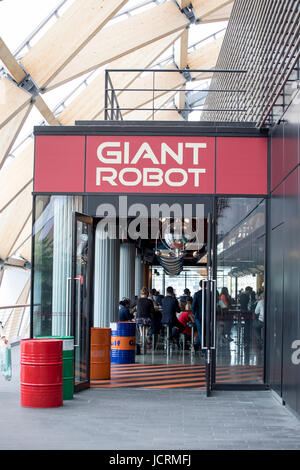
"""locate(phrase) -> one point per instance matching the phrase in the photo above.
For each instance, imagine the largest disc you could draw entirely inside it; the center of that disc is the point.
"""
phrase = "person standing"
(259, 319)
(170, 307)
(186, 297)
(197, 313)
(226, 301)
(144, 311)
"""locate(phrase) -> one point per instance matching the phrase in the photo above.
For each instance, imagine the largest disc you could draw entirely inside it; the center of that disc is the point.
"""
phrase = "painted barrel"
(100, 353)
(122, 342)
(41, 373)
(68, 364)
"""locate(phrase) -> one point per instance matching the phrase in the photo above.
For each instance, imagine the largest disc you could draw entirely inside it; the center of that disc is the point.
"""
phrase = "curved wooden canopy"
(101, 40)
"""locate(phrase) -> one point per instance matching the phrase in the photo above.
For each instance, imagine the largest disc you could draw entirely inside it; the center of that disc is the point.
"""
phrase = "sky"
(18, 18)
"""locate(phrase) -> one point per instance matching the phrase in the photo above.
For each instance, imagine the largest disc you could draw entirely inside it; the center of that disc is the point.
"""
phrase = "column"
(106, 279)
(63, 207)
(139, 273)
(127, 270)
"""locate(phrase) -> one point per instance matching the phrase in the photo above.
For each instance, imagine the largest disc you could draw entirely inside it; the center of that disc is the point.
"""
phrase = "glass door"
(240, 274)
(81, 302)
(209, 310)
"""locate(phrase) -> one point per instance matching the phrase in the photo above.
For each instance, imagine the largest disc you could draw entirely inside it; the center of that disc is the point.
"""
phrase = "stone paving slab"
(139, 419)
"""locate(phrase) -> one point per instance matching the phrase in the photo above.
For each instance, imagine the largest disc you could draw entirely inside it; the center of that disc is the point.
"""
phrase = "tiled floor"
(147, 419)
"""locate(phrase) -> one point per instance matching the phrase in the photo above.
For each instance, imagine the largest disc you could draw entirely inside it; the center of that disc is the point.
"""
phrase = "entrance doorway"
(229, 257)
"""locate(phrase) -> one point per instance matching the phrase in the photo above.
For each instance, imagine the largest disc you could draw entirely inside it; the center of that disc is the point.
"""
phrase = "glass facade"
(240, 272)
(238, 263)
(52, 244)
(188, 278)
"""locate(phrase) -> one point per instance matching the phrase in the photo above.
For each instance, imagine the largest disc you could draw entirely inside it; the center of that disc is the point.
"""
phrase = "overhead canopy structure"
(112, 34)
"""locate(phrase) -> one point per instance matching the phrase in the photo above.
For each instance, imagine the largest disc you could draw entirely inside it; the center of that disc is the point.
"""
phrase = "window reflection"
(52, 244)
(240, 284)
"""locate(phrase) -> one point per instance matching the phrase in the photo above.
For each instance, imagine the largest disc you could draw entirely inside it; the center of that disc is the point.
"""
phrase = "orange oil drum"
(100, 353)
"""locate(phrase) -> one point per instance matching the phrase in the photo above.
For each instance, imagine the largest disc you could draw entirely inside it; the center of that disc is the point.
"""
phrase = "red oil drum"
(41, 373)
(100, 353)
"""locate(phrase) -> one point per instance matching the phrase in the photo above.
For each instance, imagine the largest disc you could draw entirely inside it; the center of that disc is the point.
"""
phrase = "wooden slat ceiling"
(85, 38)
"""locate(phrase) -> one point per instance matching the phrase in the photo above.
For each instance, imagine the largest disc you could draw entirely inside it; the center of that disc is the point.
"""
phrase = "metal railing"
(15, 320)
(113, 110)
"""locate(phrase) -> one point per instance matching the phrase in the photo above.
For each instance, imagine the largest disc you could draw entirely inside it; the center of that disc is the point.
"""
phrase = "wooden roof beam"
(205, 57)
(205, 8)
(90, 102)
(181, 58)
(9, 133)
(10, 62)
(142, 115)
(223, 14)
(16, 176)
(13, 220)
(67, 37)
(19, 75)
(163, 81)
(12, 100)
(109, 44)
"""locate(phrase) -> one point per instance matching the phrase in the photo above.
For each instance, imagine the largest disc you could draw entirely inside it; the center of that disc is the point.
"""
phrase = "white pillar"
(127, 270)
(106, 279)
(139, 274)
(63, 207)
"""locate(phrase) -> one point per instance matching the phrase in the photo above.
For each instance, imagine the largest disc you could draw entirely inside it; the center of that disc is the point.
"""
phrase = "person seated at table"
(155, 327)
(145, 310)
(170, 307)
(124, 311)
(182, 305)
(186, 318)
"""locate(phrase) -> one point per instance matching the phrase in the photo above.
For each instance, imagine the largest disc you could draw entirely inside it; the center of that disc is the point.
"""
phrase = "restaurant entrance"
(102, 196)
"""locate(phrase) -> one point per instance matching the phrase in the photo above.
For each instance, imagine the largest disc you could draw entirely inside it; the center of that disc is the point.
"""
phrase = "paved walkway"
(148, 419)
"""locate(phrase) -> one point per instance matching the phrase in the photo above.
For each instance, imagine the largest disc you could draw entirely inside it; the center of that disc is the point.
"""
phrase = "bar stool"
(166, 327)
(142, 327)
(192, 326)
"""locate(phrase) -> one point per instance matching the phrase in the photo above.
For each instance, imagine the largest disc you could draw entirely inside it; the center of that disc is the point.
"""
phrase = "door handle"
(78, 313)
(212, 285)
(67, 305)
(204, 283)
(214, 326)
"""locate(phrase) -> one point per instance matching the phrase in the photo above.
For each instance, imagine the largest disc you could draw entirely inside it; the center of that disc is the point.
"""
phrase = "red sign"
(134, 164)
(150, 164)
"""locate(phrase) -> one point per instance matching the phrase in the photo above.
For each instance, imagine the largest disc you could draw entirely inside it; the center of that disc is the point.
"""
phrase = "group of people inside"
(153, 312)
(249, 302)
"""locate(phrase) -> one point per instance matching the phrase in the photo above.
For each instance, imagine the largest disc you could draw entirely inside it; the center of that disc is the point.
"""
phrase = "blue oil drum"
(122, 349)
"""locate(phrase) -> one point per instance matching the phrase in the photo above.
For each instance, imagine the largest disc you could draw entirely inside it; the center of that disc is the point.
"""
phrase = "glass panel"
(81, 287)
(188, 278)
(240, 285)
(52, 243)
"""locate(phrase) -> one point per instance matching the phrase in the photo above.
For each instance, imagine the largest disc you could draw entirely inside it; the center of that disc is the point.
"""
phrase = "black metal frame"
(79, 217)
(160, 128)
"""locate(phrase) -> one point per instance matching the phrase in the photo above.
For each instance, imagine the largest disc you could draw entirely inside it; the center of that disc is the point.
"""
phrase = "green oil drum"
(68, 364)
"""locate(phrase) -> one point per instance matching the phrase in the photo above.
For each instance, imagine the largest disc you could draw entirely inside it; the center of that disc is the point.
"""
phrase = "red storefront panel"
(242, 164)
(59, 163)
(150, 164)
(155, 164)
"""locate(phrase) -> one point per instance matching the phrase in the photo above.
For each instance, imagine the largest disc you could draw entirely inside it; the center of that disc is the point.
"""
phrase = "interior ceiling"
(109, 34)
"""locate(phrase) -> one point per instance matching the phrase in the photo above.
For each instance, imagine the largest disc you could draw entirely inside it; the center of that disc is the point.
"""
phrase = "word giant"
(148, 166)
